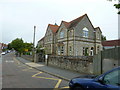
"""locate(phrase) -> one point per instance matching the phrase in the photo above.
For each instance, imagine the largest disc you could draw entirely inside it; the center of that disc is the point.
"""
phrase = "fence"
(106, 60)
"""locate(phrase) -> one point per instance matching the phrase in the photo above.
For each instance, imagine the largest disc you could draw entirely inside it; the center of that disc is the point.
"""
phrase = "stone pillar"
(35, 57)
(97, 64)
(46, 59)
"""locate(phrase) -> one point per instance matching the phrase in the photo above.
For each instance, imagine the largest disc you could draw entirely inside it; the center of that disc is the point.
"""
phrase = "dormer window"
(61, 34)
(85, 32)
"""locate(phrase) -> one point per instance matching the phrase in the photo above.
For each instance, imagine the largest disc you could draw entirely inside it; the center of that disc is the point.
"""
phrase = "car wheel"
(78, 88)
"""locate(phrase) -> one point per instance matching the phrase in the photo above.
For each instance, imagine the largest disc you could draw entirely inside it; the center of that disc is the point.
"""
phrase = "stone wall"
(27, 57)
(78, 64)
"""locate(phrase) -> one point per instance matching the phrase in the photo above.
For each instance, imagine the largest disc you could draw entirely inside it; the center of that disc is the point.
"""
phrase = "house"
(75, 38)
(2, 46)
(49, 39)
(111, 44)
(41, 43)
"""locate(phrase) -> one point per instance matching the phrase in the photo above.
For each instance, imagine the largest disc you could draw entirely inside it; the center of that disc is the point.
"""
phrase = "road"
(18, 75)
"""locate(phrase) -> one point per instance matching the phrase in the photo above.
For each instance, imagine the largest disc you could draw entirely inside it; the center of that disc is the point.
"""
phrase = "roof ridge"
(78, 18)
(54, 28)
(52, 25)
(75, 21)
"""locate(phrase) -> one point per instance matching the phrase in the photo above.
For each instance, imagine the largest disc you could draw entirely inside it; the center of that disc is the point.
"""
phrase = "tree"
(117, 6)
(28, 46)
(103, 38)
(9, 46)
(18, 45)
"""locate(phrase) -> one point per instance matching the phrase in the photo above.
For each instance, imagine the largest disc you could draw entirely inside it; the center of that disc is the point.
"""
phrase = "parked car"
(107, 81)
(3, 53)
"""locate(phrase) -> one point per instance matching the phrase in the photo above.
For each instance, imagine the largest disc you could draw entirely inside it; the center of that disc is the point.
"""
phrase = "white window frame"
(98, 36)
(62, 34)
(85, 32)
(58, 50)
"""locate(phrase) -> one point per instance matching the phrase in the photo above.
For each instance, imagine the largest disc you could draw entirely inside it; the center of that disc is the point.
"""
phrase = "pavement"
(55, 71)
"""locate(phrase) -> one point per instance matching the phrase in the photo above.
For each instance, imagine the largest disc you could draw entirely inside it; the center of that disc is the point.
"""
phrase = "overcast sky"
(18, 17)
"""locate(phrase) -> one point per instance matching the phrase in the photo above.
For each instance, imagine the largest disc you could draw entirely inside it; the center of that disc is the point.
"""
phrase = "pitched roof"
(54, 28)
(98, 28)
(74, 22)
(111, 43)
(67, 24)
(42, 39)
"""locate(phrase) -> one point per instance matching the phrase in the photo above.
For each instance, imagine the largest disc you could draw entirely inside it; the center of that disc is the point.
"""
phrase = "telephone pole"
(34, 44)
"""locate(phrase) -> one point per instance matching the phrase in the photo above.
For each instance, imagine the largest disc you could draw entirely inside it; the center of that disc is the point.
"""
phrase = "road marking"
(56, 86)
(21, 65)
(58, 83)
(65, 87)
(7, 61)
(27, 69)
(16, 60)
(37, 74)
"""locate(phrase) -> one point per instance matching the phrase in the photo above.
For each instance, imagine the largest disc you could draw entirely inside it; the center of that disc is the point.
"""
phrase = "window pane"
(61, 34)
(112, 78)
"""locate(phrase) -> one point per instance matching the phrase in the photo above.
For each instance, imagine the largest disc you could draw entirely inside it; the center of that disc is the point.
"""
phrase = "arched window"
(62, 34)
(91, 51)
(85, 32)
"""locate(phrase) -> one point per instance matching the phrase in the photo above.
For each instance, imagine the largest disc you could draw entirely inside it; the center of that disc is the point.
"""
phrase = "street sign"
(26, 50)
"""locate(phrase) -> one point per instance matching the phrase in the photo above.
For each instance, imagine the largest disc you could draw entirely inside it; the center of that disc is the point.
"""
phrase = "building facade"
(2, 46)
(48, 42)
(75, 38)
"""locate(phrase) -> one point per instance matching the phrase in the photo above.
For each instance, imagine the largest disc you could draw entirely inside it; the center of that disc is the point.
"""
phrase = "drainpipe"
(73, 42)
(67, 42)
(94, 42)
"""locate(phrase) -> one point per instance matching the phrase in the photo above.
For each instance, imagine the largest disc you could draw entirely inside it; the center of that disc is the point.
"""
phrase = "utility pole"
(34, 44)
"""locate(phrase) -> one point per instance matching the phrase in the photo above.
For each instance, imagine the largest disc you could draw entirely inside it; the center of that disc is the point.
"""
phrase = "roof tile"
(111, 43)
(54, 28)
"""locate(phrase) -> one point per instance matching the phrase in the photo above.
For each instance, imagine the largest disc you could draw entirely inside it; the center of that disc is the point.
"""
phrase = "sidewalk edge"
(66, 79)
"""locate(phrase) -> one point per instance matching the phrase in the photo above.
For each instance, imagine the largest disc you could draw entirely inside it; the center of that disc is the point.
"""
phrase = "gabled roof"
(41, 39)
(67, 24)
(111, 43)
(74, 22)
(98, 28)
(54, 28)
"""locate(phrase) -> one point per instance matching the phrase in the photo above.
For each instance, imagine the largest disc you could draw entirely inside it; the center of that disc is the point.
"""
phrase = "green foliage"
(117, 6)
(20, 46)
(17, 44)
(103, 38)
(28, 46)
(4, 50)
(9, 46)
